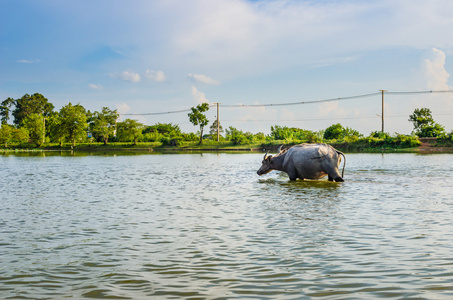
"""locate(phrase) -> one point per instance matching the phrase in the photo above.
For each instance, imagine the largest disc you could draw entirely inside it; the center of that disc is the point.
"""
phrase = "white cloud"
(200, 97)
(271, 34)
(434, 71)
(158, 76)
(263, 36)
(326, 108)
(95, 86)
(26, 61)
(333, 110)
(262, 49)
(128, 76)
(122, 109)
(435, 77)
(140, 119)
(203, 79)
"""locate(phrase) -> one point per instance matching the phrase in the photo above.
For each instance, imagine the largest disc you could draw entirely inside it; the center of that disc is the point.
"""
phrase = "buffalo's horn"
(265, 155)
(279, 148)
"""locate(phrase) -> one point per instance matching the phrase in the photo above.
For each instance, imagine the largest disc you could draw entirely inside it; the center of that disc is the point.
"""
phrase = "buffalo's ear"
(269, 158)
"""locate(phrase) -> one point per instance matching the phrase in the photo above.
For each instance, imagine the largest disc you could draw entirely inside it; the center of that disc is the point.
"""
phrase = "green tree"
(380, 135)
(197, 117)
(5, 109)
(5, 134)
(189, 136)
(20, 135)
(34, 104)
(281, 132)
(213, 128)
(130, 130)
(153, 137)
(260, 136)
(349, 132)
(34, 123)
(165, 129)
(424, 124)
(73, 120)
(238, 137)
(54, 128)
(334, 132)
(293, 133)
(167, 133)
(103, 123)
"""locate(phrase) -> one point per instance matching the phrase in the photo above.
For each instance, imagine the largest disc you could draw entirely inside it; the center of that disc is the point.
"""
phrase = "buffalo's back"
(311, 160)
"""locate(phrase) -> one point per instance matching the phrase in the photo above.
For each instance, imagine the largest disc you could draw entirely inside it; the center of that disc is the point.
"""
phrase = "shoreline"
(424, 148)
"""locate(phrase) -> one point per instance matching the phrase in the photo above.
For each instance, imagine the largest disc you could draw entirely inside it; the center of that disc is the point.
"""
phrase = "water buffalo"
(305, 161)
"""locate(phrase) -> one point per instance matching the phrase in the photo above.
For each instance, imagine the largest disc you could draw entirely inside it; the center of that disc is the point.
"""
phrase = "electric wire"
(416, 92)
(325, 119)
(302, 102)
(294, 103)
(158, 113)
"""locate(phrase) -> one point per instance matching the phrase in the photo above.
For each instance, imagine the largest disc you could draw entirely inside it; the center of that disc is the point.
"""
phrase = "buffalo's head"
(266, 166)
(268, 163)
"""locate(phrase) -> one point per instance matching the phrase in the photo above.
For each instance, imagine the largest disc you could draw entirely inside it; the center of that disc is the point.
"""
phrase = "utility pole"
(382, 115)
(218, 122)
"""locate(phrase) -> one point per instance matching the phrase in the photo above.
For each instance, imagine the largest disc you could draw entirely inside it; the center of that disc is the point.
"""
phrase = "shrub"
(293, 133)
(430, 130)
(445, 138)
(349, 132)
(380, 135)
(166, 129)
(152, 137)
(260, 136)
(238, 137)
(334, 132)
(351, 139)
(281, 133)
(407, 141)
(424, 124)
(190, 136)
(173, 142)
(312, 137)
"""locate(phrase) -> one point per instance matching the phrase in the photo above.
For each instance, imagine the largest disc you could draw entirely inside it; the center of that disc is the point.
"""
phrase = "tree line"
(34, 120)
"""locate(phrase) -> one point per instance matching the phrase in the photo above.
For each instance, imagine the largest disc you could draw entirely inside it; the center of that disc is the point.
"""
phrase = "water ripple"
(204, 226)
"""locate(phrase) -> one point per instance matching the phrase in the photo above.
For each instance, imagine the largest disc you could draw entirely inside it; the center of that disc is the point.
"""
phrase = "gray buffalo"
(305, 161)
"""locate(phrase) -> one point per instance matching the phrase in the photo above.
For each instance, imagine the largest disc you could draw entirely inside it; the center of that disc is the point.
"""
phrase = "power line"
(294, 103)
(303, 102)
(330, 118)
(417, 92)
(159, 113)
(256, 105)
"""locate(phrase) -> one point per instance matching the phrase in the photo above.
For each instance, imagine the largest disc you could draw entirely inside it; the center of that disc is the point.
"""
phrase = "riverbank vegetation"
(35, 125)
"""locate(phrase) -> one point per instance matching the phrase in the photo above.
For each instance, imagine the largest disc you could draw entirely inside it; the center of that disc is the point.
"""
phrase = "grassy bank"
(361, 146)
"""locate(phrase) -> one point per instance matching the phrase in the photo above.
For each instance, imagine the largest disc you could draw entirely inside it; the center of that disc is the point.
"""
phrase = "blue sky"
(155, 56)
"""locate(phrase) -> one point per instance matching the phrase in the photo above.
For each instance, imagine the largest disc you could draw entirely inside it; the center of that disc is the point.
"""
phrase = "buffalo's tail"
(344, 163)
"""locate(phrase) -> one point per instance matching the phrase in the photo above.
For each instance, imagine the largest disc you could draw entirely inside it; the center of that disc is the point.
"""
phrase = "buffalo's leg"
(292, 174)
(292, 177)
(333, 174)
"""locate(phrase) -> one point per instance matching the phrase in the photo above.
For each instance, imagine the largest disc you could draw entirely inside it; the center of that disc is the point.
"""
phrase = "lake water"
(205, 226)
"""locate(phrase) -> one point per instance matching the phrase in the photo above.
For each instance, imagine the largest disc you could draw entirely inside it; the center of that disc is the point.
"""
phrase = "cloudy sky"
(157, 56)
